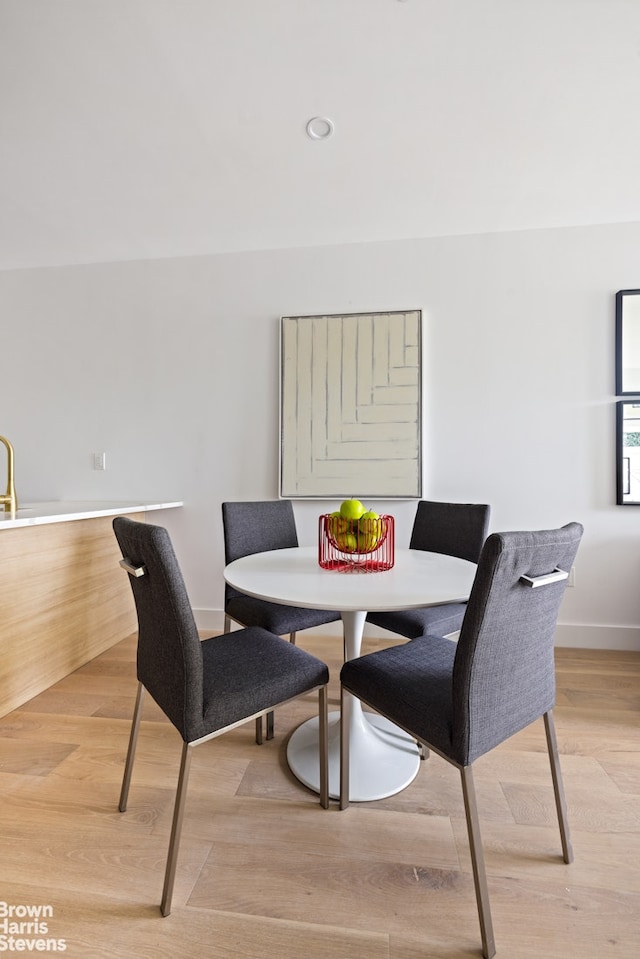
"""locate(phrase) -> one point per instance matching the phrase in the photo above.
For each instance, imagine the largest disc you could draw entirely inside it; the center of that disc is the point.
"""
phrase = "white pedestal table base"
(383, 758)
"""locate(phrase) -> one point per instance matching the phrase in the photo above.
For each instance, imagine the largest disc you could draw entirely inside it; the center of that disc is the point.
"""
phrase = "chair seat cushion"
(437, 620)
(251, 670)
(275, 617)
(411, 683)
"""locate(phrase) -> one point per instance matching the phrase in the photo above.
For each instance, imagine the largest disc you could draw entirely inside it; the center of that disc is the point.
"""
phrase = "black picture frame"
(628, 343)
(627, 454)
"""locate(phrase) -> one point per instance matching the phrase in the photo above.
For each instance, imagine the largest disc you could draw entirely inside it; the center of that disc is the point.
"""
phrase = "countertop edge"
(40, 514)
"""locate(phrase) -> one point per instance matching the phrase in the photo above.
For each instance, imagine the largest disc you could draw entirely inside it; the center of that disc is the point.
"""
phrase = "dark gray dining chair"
(258, 527)
(204, 687)
(455, 529)
(462, 700)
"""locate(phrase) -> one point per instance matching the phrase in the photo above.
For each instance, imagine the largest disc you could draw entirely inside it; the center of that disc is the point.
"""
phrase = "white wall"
(171, 367)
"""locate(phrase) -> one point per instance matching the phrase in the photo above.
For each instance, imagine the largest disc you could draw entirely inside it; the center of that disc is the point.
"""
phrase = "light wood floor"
(265, 873)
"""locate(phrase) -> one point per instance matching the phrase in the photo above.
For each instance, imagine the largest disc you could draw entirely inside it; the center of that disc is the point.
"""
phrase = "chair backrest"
(256, 527)
(455, 529)
(504, 675)
(169, 652)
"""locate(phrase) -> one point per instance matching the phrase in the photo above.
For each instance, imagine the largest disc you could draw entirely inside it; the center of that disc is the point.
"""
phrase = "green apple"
(336, 526)
(336, 523)
(369, 531)
(347, 542)
(351, 509)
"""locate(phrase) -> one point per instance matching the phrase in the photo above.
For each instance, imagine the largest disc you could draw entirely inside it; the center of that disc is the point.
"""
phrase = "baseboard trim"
(592, 636)
(209, 619)
(575, 635)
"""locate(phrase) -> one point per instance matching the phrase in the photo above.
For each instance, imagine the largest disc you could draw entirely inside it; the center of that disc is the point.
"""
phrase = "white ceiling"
(148, 128)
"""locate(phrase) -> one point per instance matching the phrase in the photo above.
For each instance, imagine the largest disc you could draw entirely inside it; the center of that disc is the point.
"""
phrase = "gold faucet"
(9, 500)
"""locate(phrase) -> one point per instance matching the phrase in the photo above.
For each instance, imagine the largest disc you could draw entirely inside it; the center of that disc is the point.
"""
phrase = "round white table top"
(293, 577)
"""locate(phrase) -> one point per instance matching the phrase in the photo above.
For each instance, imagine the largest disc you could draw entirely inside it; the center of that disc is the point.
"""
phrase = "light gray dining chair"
(204, 687)
(257, 527)
(462, 700)
(455, 529)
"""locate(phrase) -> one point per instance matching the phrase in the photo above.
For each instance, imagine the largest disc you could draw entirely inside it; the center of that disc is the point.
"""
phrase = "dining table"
(383, 758)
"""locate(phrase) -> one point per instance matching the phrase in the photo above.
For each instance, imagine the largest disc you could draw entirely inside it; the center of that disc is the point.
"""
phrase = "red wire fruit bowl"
(364, 545)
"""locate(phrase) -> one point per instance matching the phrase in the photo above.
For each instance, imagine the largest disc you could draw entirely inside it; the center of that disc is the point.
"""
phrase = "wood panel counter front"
(63, 597)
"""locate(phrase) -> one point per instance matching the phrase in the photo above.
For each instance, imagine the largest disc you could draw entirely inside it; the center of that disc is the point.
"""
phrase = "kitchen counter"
(64, 598)
(38, 514)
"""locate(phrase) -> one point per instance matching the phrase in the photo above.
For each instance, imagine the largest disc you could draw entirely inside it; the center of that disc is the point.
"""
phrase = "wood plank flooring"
(265, 873)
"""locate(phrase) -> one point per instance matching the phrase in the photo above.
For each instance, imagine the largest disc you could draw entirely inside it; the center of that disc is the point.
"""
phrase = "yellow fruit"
(336, 525)
(334, 522)
(347, 542)
(369, 531)
(351, 509)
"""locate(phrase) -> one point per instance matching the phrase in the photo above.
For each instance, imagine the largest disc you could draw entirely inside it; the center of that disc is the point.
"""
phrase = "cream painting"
(350, 406)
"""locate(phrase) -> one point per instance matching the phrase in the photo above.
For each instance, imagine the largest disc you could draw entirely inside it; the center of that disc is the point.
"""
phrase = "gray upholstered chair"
(455, 529)
(257, 527)
(462, 700)
(205, 688)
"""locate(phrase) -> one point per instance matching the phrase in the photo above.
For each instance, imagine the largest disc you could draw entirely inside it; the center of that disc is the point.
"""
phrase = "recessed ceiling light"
(320, 128)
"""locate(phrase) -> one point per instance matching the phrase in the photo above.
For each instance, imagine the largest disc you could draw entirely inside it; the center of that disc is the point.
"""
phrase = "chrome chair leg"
(176, 829)
(477, 862)
(323, 744)
(345, 713)
(131, 751)
(292, 637)
(558, 788)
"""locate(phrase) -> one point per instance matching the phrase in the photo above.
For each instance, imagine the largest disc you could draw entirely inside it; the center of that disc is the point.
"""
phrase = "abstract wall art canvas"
(351, 405)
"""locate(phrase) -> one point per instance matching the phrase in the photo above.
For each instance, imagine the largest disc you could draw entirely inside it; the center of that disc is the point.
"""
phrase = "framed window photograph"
(351, 405)
(628, 452)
